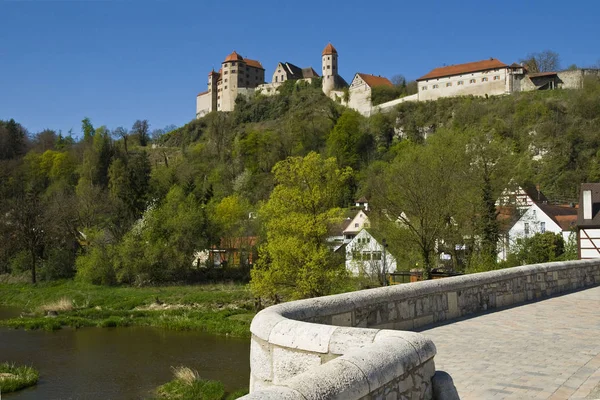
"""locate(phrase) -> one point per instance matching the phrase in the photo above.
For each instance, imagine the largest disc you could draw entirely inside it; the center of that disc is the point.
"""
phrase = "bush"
(188, 385)
(13, 378)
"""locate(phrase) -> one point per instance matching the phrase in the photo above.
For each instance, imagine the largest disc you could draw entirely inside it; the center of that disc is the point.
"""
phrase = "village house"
(588, 221)
(367, 256)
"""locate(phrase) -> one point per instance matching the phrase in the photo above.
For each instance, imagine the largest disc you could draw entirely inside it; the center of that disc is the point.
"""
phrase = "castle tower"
(213, 78)
(229, 85)
(330, 68)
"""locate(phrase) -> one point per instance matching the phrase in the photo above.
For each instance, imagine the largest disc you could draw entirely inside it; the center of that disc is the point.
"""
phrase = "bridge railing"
(358, 345)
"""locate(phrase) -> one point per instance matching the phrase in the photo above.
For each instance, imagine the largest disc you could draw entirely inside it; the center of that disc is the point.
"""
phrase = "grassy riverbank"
(13, 378)
(220, 308)
(187, 384)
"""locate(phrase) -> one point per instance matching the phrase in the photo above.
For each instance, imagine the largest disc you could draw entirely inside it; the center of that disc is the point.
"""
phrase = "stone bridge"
(365, 345)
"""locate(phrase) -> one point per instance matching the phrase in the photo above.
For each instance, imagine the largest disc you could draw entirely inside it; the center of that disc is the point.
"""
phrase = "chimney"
(587, 204)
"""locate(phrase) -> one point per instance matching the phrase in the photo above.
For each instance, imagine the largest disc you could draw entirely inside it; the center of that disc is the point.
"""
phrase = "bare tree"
(545, 61)
(399, 80)
(122, 133)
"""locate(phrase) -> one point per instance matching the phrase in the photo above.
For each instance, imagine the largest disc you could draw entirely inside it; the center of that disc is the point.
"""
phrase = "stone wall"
(349, 346)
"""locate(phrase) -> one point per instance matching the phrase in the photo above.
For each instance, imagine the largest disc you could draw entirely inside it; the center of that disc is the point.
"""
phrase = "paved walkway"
(544, 350)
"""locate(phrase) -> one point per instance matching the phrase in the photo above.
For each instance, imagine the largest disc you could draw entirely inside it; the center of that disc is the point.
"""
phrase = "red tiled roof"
(373, 80)
(253, 63)
(200, 94)
(329, 49)
(214, 73)
(565, 217)
(234, 57)
(459, 69)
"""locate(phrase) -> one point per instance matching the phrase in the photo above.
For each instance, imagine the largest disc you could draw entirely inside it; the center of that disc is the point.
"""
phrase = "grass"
(13, 378)
(225, 309)
(187, 384)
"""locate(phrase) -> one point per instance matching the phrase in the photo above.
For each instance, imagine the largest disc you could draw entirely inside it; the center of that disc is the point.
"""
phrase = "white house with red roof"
(480, 78)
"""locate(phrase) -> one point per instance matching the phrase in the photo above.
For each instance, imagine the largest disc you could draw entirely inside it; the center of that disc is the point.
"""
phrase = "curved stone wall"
(355, 345)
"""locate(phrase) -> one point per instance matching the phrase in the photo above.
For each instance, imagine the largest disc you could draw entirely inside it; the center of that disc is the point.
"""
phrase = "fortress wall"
(355, 345)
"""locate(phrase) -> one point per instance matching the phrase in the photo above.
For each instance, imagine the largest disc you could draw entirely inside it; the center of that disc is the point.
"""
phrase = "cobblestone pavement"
(544, 350)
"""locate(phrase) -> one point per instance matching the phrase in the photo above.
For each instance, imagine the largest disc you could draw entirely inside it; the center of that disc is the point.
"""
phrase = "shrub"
(14, 378)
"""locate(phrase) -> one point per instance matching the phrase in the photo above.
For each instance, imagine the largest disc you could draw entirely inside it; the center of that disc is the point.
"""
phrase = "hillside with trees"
(119, 207)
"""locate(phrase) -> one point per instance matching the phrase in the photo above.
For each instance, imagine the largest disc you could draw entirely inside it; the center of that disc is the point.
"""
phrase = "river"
(119, 363)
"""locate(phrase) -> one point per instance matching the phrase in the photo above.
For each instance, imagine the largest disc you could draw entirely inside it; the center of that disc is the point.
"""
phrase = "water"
(120, 363)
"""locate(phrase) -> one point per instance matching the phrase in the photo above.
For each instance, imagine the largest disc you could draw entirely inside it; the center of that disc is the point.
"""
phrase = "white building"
(540, 218)
(588, 221)
(366, 256)
(480, 78)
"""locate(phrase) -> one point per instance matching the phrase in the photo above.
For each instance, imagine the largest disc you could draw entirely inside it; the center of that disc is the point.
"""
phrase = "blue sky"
(118, 61)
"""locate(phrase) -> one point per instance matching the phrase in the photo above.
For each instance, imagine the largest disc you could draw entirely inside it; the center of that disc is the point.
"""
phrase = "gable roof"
(253, 63)
(309, 72)
(534, 193)
(203, 93)
(564, 216)
(459, 69)
(329, 49)
(374, 81)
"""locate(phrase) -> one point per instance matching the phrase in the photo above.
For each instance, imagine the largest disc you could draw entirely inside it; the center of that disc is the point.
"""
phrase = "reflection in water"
(120, 363)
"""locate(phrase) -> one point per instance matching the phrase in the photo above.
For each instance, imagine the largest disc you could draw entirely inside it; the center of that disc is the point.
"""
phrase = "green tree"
(141, 128)
(539, 248)
(88, 130)
(349, 143)
(295, 262)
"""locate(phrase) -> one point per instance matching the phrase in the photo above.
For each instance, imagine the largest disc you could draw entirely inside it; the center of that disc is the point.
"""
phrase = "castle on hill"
(243, 76)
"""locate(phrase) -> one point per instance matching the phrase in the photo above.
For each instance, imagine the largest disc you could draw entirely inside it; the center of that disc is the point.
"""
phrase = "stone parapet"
(356, 345)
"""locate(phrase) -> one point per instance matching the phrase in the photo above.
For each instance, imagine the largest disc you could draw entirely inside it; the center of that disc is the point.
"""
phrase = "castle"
(243, 76)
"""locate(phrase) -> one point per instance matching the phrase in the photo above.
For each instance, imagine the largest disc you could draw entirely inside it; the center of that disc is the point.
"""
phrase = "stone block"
(260, 359)
(289, 363)
(345, 339)
(336, 380)
(424, 346)
(406, 310)
(453, 311)
(264, 322)
(302, 335)
(385, 360)
(422, 321)
(344, 319)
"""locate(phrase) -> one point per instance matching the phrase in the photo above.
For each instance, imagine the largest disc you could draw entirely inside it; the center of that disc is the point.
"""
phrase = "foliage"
(539, 248)
(13, 377)
(295, 262)
(383, 94)
(199, 307)
(187, 384)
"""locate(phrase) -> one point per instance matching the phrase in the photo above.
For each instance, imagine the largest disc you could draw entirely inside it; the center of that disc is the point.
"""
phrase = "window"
(225, 73)
(376, 255)
(448, 84)
(542, 227)
(276, 79)
(436, 86)
(225, 87)
(225, 79)
(424, 88)
(472, 81)
(329, 67)
(356, 255)
(282, 78)
(484, 79)
(496, 78)
(233, 71)
(460, 83)
(356, 225)
(526, 228)
(233, 64)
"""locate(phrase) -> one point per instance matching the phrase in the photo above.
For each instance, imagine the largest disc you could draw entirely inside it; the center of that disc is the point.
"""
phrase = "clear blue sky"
(118, 61)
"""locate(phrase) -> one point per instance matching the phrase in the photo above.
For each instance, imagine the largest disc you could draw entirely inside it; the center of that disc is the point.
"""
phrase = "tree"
(348, 142)
(422, 193)
(122, 133)
(295, 262)
(545, 61)
(13, 140)
(141, 128)
(399, 80)
(88, 130)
